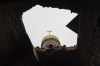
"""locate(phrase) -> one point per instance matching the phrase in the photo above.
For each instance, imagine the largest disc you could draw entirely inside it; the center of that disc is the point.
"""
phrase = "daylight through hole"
(43, 21)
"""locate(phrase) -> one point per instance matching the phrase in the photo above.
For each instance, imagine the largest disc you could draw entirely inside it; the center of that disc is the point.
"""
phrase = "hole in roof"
(38, 20)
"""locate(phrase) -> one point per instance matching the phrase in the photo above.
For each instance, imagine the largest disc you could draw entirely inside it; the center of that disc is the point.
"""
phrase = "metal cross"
(49, 32)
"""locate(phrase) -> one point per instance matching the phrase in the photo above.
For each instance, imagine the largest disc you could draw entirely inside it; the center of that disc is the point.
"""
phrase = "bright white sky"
(39, 20)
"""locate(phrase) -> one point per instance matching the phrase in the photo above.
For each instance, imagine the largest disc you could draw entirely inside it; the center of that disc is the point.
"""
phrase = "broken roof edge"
(74, 24)
(73, 5)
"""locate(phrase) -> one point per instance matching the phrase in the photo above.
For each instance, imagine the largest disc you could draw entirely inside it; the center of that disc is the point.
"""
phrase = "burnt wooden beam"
(86, 36)
(15, 46)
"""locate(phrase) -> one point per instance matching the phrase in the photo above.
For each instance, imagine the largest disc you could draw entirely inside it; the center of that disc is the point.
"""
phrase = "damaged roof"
(73, 5)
